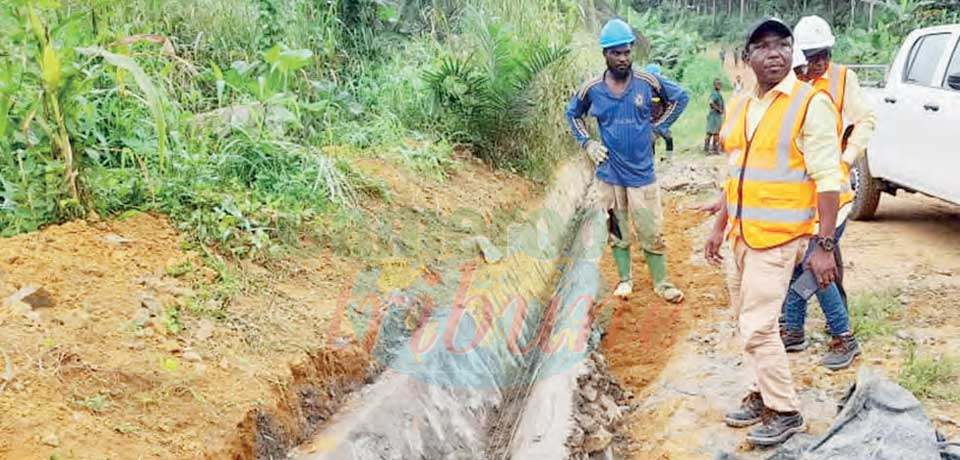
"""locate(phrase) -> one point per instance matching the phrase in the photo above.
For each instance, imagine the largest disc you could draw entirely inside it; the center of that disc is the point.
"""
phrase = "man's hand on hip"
(596, 152)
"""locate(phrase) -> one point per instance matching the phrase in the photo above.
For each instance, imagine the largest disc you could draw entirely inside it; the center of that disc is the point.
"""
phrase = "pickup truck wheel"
(866, 191)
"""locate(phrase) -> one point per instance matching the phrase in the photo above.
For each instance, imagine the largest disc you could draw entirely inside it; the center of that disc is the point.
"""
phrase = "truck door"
(943, 131)
(903, 132)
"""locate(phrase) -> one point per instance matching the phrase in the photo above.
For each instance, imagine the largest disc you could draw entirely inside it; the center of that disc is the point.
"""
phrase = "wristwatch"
(826, 243)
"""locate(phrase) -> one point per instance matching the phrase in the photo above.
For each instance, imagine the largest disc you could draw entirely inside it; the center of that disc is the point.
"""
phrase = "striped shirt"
(625, 124)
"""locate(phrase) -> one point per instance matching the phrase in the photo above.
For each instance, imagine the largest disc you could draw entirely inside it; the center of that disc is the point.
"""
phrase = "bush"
(219, 112)
(486, 95)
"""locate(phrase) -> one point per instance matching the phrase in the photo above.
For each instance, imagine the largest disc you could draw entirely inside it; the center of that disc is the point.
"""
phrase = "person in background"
(723, 55)
(814, 42)
(784, 171)
(799, 64)
(621, 98)
(658, 107)
(738, 85)
(714, 119)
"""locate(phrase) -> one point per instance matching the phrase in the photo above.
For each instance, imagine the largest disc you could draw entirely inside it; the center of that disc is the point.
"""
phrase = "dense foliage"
(240, 118)
(869, 31)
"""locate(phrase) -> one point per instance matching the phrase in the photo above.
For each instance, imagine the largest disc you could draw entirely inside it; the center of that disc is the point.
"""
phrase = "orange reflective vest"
(770, 198)
(836, 85)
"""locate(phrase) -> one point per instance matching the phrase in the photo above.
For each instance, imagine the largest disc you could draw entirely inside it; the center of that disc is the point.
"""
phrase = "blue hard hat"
(653, 68)
(616, 33)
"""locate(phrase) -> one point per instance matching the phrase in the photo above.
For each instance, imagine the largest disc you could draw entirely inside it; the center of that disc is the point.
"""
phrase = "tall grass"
(222, 30)
(233, 116)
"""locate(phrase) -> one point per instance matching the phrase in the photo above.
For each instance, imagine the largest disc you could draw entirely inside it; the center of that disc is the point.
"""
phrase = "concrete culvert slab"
(492, 365)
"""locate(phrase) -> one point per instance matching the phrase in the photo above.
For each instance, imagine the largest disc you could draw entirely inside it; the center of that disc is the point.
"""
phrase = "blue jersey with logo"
(626, 124)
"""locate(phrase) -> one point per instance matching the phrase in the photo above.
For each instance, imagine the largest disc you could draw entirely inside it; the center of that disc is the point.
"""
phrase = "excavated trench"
(487, 361)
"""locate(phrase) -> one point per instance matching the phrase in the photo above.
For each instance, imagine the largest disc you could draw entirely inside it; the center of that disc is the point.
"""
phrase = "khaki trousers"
(758, 282)
(639, 205)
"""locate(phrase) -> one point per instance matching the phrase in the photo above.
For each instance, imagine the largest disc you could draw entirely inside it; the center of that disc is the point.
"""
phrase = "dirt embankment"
(118, 343)
(132, 347)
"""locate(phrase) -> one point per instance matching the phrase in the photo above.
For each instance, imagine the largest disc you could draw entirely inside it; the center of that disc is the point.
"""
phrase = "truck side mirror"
(953, 81)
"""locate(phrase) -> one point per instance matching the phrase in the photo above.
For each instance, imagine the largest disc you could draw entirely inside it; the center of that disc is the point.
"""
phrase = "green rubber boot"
(622, 257)
(657, 263)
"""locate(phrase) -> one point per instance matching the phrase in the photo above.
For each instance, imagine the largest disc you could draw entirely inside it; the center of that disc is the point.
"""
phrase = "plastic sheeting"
(878, 420)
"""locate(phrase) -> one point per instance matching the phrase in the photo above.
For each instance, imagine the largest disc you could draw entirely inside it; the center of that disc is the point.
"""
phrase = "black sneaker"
(843, 349)
(749, 413)
(793, 341)
(777, 427)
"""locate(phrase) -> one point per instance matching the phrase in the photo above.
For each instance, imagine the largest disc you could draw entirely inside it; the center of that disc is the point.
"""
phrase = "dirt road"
(913, 240)
(909, 255)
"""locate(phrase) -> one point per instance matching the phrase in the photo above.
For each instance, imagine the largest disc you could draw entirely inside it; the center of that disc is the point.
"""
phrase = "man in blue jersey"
(621, 99)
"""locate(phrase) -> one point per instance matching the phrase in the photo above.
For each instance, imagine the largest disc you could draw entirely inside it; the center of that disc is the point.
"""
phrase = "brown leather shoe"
(793, 341)
(777, 427)
(843, 349)
(749, 413)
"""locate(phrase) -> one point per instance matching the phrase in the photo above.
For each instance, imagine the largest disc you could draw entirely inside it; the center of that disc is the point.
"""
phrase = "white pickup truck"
(918, 113)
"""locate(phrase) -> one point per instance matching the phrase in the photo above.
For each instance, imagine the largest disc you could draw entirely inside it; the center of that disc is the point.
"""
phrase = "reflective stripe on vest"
(734, 117)
(792, 216)
(770, 198)
(782, 172)
(834, 84)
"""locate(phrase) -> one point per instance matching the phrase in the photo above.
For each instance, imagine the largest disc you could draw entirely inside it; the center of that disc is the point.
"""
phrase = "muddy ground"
(134, 347)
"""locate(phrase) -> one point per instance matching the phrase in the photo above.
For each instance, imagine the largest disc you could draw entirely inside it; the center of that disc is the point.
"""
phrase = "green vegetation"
(242, 119)
(680, 50)
(930, 377)
(868, 32)
(871, 313)
(179, 269)
(95, 404)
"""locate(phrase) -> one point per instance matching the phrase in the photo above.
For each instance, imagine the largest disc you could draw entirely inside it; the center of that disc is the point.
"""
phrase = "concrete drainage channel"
(490, 362)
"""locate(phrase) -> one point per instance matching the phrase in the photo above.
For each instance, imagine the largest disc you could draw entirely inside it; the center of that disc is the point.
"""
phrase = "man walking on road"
(621, 100)
(815, 40)
(783, 148)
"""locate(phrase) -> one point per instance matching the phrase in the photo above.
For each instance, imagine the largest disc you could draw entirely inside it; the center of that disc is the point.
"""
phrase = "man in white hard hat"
(815, 39)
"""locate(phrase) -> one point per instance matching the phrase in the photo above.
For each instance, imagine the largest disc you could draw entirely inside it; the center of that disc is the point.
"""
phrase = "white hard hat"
(813, 32)
(798, 58)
